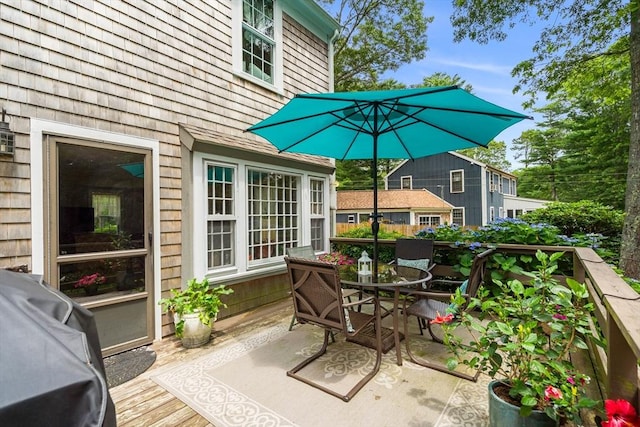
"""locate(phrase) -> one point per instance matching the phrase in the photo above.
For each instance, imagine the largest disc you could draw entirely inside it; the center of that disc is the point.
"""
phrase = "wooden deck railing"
(617, 310)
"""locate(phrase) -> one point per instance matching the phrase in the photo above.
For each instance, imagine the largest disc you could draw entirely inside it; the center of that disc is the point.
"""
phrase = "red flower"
(442, 319)
(552, 393)
(620, 413)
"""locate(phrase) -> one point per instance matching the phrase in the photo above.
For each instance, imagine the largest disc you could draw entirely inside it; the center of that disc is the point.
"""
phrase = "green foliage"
(523, 335)
(385, 253)
(579, 217)
(199, 298)
(376, 36)
(495, 154)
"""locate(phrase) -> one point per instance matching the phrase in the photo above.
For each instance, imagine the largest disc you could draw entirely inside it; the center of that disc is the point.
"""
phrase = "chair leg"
(433, 337)
(293, 373)
(432, 365)
(293, 322)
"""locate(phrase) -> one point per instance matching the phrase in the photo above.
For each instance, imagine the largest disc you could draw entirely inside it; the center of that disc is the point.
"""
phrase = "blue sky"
(486, 67)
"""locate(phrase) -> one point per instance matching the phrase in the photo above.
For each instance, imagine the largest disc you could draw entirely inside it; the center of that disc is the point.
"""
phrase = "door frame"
(39, 131)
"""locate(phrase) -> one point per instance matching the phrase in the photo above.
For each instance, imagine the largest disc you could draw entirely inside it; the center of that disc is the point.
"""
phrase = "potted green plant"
(195, 309)
(522, 336)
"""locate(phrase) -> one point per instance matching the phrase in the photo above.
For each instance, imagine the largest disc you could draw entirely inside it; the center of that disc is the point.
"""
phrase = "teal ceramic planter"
(504, 414)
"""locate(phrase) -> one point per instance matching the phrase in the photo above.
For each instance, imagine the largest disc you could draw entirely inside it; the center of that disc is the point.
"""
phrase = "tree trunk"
(630, 248)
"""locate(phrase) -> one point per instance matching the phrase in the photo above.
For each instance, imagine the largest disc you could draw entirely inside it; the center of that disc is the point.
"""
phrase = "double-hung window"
(316, 192)
(221, 220)
(257, 41)
(456, 181)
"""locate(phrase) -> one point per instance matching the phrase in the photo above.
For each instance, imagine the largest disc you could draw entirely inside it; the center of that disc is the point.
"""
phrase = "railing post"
(622, 365)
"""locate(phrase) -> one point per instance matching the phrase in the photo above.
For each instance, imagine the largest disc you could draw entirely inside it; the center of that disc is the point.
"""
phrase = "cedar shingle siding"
(136, 68)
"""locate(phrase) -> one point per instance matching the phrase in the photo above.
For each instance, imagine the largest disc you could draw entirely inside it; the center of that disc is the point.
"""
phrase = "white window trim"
(236, 47)
(500, 212)
(430, 216)
(461, 208)
(325, 208)
(410, 182)
(492, 214)
(242, 267)
(40, 128)
(451, 172)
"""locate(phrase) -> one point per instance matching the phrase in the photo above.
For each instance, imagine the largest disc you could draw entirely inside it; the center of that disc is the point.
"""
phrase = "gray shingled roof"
(252, 143)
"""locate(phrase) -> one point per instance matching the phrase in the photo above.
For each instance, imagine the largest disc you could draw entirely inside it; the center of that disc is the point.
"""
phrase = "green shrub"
(582, 217)
(385, 253)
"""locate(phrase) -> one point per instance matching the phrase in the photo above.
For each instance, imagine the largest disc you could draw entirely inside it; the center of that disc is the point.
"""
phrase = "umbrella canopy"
(389, 124)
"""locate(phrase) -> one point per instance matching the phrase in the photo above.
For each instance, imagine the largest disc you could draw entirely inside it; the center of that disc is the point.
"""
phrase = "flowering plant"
(620, 413)
(336, 258)
(523, 336)
(90, 279)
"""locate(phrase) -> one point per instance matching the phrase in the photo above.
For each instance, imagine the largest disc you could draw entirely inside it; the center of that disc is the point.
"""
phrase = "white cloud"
(502, 70)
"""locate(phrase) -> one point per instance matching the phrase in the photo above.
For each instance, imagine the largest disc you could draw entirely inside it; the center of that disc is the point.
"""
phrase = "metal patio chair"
(436, 300)
(318, 300)
(307, 252)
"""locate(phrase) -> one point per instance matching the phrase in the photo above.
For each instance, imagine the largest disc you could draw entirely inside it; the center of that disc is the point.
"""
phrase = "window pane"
(220, 229)
(317, 234)
(220, 244)
(101, 200)
(273, 227)
(98, 279)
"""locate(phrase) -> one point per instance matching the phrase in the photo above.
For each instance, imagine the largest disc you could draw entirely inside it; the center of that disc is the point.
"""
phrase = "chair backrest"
(476, 275)
(417, 254)
(316, 291)
(305, 252)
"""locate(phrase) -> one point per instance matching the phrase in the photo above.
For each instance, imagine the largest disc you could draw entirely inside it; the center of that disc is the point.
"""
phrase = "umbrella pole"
(375, 226)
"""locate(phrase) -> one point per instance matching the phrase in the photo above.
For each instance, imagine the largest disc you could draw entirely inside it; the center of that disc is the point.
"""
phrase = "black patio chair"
(318, 300)
(436, 300)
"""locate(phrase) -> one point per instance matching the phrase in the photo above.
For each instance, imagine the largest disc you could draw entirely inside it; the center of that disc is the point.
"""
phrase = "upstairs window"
(257, 41)
(457, 181)
(406, 183)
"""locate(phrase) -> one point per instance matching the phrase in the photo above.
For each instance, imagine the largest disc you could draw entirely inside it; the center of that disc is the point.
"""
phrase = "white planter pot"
(195, 333)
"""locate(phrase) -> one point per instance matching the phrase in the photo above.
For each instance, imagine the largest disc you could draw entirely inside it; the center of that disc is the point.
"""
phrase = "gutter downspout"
(333, 186)
(336, 33)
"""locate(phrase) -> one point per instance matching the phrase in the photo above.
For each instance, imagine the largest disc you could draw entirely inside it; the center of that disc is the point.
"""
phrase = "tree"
(578, 31)
(376, 36)
(444, 79)
(495, 154)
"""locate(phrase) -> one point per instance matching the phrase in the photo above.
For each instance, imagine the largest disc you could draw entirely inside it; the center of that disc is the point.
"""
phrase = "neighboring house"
(478, 192)
(131, 159)
(412, 207)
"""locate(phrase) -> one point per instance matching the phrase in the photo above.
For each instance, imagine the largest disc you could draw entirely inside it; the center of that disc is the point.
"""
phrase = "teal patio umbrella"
(388, 124)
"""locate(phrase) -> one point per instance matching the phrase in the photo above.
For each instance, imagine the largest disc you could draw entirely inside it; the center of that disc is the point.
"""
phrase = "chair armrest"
(368, 300)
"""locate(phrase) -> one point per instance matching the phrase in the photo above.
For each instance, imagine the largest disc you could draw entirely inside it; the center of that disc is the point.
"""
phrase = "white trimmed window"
(514, 190)
(221, 220)
(456, 178)
(257, 41)
(457, 216)
(249, 214)
(317, 213)
(406, 182)
(273, 218)
(429, 220)
(492, 214)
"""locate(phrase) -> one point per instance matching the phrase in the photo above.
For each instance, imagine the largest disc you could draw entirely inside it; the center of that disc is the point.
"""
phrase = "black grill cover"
(51, 369)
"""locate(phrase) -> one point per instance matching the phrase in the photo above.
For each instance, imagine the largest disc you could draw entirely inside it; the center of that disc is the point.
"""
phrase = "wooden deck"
(141, 402)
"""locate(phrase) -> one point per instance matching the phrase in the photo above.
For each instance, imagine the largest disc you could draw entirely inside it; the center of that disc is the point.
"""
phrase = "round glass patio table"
(389, 279)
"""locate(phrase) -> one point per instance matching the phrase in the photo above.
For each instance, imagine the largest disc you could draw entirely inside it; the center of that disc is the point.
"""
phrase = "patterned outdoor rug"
(244, 383)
